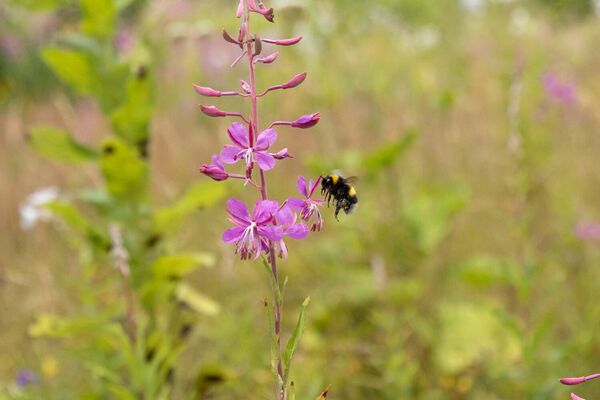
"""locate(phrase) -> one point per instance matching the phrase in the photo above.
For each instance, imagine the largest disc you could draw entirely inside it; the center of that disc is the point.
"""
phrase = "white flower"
(32, 209)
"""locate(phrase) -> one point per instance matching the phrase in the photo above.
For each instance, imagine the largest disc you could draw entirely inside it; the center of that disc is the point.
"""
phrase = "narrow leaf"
(178, 265)
(294, 340)
(196, 301)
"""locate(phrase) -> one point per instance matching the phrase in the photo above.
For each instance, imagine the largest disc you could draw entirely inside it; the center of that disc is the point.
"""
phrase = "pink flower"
(558, 89)
(307, 206)
(252, 234)
(286, 219)
(241, 148)
(588, 231)
(215, 171)
(575, 397)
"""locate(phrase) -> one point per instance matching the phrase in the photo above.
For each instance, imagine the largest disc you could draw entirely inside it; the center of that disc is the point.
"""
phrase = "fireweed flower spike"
(307, 206)
(262, 232)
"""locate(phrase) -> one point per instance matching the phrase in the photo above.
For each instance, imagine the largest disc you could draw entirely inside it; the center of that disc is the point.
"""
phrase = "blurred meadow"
(469, 271)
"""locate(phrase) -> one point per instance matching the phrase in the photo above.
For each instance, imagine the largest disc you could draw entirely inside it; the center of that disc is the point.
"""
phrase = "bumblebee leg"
(337, 210)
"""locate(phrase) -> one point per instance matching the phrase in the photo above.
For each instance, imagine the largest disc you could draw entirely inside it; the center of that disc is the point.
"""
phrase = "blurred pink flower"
(558, 89)
(588, 231)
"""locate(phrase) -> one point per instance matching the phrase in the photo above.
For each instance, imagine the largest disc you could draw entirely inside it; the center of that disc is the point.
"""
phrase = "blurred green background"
(472, 125)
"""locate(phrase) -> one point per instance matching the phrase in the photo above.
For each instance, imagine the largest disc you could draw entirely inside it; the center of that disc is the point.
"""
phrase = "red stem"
(281, 391)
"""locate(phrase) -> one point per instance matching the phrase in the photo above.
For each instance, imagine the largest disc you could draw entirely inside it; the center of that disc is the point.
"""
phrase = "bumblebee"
(337, 188)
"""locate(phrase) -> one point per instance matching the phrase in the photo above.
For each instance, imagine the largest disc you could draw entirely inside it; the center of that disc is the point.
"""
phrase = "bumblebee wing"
(351, 179)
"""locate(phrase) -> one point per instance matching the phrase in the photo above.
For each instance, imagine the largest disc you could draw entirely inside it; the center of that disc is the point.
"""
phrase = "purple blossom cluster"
(263, 229)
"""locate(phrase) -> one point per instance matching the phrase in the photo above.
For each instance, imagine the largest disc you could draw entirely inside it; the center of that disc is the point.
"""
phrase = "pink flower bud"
(214, 172)
(281, 154)
(575, 397)
(206, 91)
(245, 86)
(240, 9)
(295, 81)
(212, 111)
(268, 59)
(283, 42)
(577, 381)
(307, 121)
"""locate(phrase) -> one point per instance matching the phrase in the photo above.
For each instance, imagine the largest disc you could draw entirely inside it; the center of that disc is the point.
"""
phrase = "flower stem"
(281, 392)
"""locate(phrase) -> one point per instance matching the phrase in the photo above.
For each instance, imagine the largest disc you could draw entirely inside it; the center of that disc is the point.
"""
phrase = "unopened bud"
(240, 9)
(295, 81)
(214, 172)
(245, 86)
(283, 42)
(281, 154)
(268, 59)
(206, 91)
(212, 111)
(307, 121)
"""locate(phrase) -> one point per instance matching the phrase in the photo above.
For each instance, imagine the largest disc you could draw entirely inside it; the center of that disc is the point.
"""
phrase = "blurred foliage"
(457, 278)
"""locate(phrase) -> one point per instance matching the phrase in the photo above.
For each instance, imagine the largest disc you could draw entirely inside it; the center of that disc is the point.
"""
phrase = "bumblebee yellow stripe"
(352, 191)
(335, 179)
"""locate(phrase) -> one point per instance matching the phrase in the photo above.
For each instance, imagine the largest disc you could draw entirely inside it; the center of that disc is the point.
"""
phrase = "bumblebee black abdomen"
(343, 194)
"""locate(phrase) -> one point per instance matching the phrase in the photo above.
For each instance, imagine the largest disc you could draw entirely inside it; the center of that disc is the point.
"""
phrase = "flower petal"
(285, 216)
(265, 161)
(295, 203)
(229, 154)
(265, 139)
(271, 232)
(232, 235)
(217, 161)
(263, 210)
(238, 134)
(297, 231)
(301, 185)
(238, 211)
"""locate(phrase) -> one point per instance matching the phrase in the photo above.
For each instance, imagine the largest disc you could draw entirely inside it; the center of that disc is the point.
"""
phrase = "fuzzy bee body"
(338, 189)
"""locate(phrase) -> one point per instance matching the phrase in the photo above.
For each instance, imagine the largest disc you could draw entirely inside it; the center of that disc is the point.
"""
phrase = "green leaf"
(385, 156)
(199, 195)
(176, 266)
(196, 301)
(294, 341)
(72, 67)
(69, 214)
(99, 17)
(125, 173)
(57, 144)
(131, 120)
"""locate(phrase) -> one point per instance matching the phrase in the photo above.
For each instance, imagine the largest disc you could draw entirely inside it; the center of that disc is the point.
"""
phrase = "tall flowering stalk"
(262, 231)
